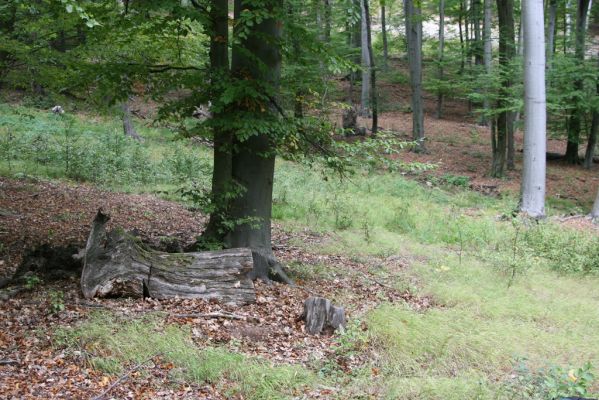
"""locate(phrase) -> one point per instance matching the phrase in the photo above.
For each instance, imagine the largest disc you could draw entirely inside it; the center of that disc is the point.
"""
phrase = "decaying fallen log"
(118, 264)
(320, 315)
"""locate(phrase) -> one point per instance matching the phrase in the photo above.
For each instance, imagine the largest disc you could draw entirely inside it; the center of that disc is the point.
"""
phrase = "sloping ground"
(34, 365)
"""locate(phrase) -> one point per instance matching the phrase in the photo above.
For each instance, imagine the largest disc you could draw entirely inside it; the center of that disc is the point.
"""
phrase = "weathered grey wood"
(321, 315)
(118, 264)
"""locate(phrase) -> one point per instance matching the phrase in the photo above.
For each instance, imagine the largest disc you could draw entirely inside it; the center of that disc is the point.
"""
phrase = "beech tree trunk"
(222, 138)
(128, 127)
(373, 93)
(478, 43)
(595, 210)
(253, 161)
(575, 120)
(551, 30)
(592, 142)
(440, 57)
(366, 63)
(505, 10)
(117, 264)
(384, 34)
(488, 50)
(414, 36)
(532, 192)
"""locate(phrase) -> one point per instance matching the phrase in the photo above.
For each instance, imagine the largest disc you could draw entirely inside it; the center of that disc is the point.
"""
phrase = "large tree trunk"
(256, 57)
(222, 137)
(117, 264)
(366, 63)
(414, 37)
(575, 120)
(384, 34)
(440, 72)
(505, 10)
(532, 193)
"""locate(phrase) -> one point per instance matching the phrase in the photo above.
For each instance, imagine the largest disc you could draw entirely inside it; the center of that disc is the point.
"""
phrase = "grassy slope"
(462, 349)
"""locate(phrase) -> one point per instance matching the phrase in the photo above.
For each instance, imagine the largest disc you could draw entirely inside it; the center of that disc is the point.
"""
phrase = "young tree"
(576, 117)
(366, 62)
(440, 56)
(384, 35)
(373, 92)
(532, 193)
(488, 48)
(505, 10)
(413, 19)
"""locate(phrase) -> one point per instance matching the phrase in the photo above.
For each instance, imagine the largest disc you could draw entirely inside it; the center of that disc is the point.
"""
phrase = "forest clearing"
(279, 200)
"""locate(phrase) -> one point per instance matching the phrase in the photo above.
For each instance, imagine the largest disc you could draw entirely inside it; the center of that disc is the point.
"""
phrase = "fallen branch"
(123, 377)
(217, 315)
(9, 362)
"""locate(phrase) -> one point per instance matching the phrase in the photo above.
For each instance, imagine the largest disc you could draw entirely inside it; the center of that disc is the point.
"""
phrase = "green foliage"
(31, 281)
(55, 301)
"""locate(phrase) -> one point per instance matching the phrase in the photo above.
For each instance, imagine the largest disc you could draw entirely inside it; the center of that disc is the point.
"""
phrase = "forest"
(285, 199)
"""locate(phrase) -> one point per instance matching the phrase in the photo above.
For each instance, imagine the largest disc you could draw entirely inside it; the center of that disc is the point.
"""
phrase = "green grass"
(116, 342)
(504, 289)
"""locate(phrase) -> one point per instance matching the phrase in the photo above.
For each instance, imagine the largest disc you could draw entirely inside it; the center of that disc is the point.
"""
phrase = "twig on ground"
(123, 377)
(216, 315)
(9, 362)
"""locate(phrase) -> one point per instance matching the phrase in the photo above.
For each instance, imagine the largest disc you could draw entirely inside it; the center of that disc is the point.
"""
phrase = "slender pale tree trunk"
(366, 64)
(128, 127)
(551, 29)
(592, 143)
(440, 57)
(532, 193)
(384, 34)
(595, 210)
(461, 33)
(575, 120)
(488, 51)
(478, 44)
(373, 93)
(414, 36)
(356, 44)
(505, 10)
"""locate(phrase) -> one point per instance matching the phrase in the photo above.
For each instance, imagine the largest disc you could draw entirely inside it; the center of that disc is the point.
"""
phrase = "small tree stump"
(321, 315)
(118, 264)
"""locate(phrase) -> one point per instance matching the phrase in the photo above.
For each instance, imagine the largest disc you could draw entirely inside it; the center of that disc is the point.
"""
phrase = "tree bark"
(373, 92)
(532, 191)
(117, 264)
(384, 34)
(128, 127)
(222, 138)
(505, 10)
(575, 120)
(595, 210)
(413, 20)
(253, 161)
(488, 51)
(365, 100)
(321, 316)
(478, 43)
(440, 72)
(592, 142)
(551, 30)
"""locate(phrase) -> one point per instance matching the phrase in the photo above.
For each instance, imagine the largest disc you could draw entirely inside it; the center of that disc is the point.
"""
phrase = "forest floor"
(443, 301)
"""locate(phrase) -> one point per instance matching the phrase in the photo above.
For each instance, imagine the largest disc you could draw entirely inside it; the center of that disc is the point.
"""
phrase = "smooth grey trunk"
(595, 210)
(414, 36)
(253, 161)
(384, 34)
(478, 45)
(373, 92)
(532, 190)
(488, 51)
(128, 127)
(366, 64)
(551, 30)
(440, 72)
(592, 142)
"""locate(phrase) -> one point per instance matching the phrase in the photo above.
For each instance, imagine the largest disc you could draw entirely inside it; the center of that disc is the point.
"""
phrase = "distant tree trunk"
(356, 44)
(128, 127)
(384, 33)
(488, 53)
(595, 210)
(551, 29)
(373, 93)
(253, 158)
(414, 36)
(366, 64)
(505, 9)
(575, 120)
(222, 138)
(592, 143)
(327, 21)
(440, 57)
(462, 49)
(532, 192)
(478, 44)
